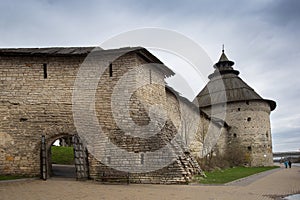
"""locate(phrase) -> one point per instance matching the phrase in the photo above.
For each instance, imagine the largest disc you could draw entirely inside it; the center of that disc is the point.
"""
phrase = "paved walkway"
(265, 186)
(250, 179)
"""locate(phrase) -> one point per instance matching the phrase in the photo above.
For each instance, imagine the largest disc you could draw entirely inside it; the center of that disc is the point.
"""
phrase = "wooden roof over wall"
(108, 55)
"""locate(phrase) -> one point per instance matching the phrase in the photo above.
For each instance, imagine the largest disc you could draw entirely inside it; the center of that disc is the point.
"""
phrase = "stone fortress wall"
(33, 105)
(36, 99)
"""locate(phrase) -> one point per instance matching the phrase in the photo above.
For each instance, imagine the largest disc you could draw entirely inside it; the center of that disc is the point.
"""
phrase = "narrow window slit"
(110, 70)
(142, 158)
(45, 71)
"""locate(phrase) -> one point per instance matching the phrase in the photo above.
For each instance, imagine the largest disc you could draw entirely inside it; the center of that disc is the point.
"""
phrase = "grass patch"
(62, 155)
(11, 177)
(231, 174)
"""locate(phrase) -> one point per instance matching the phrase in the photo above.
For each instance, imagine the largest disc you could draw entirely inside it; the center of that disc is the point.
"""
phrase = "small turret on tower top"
(224, 61)
(223, 66)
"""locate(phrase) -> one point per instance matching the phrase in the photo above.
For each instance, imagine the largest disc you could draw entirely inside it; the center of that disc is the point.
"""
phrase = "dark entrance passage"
(61, 157)
(65, 171)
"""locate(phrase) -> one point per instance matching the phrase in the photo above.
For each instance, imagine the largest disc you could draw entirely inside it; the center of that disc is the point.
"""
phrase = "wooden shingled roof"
(47, 51)
(108, 55)
(226, 86)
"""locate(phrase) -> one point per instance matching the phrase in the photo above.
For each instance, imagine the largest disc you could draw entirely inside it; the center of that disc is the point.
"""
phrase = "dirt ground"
(268, 185)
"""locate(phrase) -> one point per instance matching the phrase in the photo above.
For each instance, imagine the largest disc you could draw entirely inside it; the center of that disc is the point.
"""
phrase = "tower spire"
(223, 57)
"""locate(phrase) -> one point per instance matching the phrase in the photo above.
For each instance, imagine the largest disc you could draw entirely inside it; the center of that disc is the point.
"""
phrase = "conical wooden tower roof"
(226, 86)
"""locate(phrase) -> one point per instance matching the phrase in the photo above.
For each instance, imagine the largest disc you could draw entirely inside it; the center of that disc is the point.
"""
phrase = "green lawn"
(10, 177)
(62, 155)
(231, 174)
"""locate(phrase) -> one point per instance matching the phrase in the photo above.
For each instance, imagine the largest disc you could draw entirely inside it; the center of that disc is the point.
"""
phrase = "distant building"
(37, 86)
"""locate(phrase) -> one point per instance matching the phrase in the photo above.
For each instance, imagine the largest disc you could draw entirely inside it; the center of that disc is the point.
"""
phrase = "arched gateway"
(80, 157)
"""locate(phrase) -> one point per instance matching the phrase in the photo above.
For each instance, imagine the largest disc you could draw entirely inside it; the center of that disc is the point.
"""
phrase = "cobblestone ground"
(267, 186)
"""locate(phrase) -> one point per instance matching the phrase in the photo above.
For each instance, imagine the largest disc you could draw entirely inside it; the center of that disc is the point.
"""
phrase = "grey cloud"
(287, 141)
(283, 13)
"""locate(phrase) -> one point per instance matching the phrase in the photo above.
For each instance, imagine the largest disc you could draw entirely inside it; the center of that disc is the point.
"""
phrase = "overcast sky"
(261, 36)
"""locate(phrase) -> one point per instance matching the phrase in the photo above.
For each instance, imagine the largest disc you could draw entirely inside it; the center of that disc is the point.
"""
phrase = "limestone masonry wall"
(33, 105)
(249, 123)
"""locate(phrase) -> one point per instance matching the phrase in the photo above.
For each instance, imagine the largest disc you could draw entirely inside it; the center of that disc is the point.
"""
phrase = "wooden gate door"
(81, 159)
(44, 174)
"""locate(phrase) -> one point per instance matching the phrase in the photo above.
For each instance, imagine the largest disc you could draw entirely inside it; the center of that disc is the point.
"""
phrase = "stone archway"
(80, 157)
